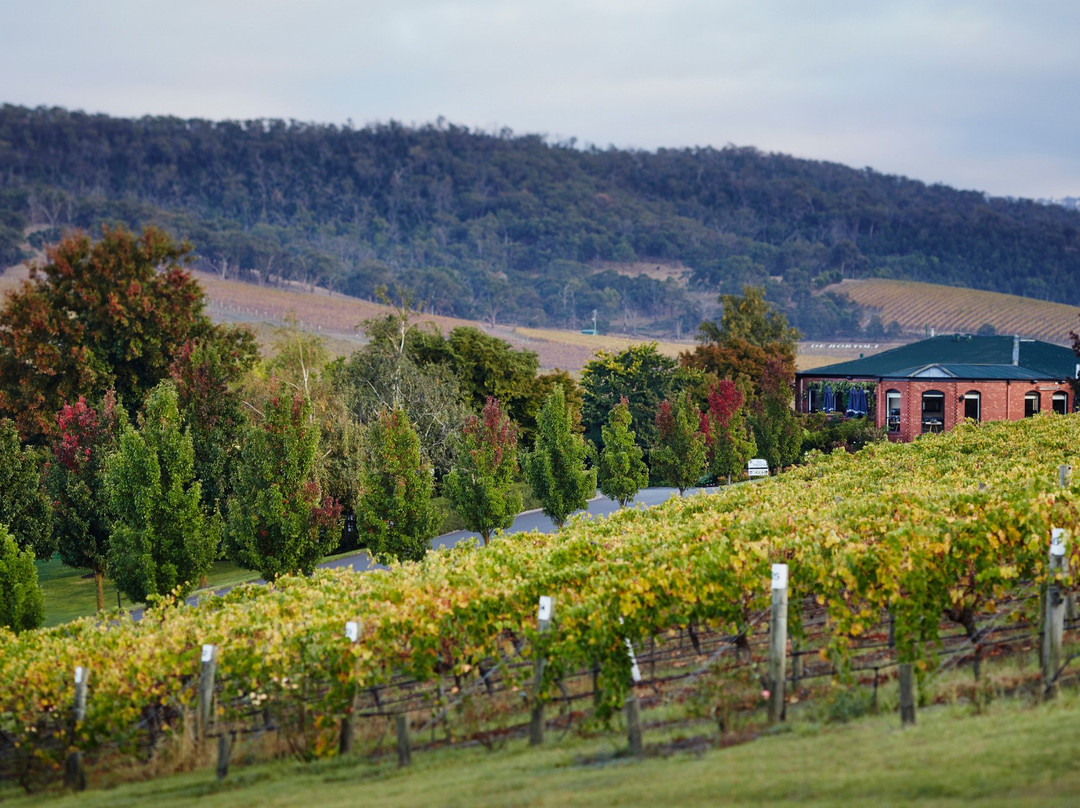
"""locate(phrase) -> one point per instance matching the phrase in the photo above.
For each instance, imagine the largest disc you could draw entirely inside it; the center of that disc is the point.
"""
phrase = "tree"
(484, 366)
(1075, 382)
(21, 601)
(395, 515)
(205, 373)
(621, 471)
(300, 362)
(751, 335)
(24, 506)
(777, 431)
(280, 521)
(638, 374)
(729, 443)
(74, 477)
(160, 540)
(556, 466)
(678, 456)
(383, 376)
(480, 487)
(98, 315)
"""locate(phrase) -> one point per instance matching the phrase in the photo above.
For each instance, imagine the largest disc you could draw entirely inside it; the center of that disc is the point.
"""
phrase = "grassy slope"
(1016, 753)
(916, 306)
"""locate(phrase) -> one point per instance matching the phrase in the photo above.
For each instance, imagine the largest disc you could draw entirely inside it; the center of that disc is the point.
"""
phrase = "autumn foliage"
(95, 316)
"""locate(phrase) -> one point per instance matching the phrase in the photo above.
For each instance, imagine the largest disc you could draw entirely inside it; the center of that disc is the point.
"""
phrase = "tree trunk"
(99, 583)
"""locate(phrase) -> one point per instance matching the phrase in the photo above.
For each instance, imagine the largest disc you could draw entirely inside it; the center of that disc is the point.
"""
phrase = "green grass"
(70, 593)
(1015, 752)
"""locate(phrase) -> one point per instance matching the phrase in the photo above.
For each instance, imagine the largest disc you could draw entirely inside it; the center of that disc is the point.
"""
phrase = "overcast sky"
(978, 95)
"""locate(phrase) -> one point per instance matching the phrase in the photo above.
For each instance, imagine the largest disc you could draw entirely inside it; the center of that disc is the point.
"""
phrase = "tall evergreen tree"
(621, 471)
(160, 541)
(280, 521)
(556, 466)
(481, 485)
(395, 516)
(24, 507)
(21, 601)
(678, 457)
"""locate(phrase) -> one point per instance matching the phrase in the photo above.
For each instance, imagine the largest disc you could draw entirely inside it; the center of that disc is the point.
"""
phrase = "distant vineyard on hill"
(922, 306)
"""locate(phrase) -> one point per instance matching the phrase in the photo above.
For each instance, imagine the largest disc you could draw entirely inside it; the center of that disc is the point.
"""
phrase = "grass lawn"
(69, 593)
(1016, 752)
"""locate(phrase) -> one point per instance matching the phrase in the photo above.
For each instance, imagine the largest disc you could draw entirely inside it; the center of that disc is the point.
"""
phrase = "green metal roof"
(961, 356)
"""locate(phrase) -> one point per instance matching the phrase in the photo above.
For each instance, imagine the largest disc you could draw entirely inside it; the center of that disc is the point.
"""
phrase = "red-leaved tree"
(83, 438)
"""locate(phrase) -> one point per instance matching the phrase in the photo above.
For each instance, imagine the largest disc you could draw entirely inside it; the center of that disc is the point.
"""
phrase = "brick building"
(932, 385)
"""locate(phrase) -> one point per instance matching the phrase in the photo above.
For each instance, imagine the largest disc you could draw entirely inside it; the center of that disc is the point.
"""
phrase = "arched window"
(973, 405)
(1060, 402)
(1032, 402)
(933, 411)
(892, 410)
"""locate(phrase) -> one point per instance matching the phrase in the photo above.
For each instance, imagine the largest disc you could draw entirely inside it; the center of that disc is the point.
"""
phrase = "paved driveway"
(525, 522)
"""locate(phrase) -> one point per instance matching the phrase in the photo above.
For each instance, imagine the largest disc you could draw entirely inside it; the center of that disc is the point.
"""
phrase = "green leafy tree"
(729, 441)
(556, 467)
(484, 366)
(638, 374)
(777, 431)
(160, 540)
(21, 601)
(24, 506)
(395, 514)
(621, 471)
(280, 521)
(97, 315)
(480, 487)
(74, 477)
(206, 373)
(678, 456)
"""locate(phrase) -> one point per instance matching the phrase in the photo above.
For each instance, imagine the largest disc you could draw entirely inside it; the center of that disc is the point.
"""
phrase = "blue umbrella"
(830, 399)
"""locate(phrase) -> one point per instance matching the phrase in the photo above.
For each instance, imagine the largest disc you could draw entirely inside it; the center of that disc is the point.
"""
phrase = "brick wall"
(999, 401)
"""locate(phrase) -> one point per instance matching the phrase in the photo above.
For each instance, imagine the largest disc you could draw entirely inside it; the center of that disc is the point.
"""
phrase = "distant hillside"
(516, 229)
(919, 307)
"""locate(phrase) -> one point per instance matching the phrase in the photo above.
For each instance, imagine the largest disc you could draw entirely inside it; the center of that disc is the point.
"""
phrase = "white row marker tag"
(635, 671)
(208, 652)
(545, 610)
(1057, 541)
(779, 576)
(80, 673)
(352, 630)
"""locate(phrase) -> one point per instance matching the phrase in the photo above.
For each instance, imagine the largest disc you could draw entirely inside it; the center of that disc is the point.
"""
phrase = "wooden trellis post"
(1054, 616)
(778, 641)
(74, 773)
(545, 611)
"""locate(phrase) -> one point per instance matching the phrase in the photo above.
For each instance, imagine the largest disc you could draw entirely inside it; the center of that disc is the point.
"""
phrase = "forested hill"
(515, 228)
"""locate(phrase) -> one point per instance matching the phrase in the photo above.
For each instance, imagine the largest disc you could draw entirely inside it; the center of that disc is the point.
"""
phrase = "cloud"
(974, 94)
